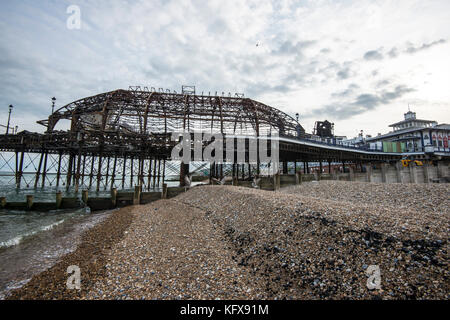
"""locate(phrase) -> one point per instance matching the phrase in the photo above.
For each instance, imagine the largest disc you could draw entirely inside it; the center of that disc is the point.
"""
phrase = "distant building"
(415, 136)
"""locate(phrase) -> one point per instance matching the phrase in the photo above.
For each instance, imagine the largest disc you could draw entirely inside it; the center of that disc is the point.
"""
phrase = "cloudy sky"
(356, 63)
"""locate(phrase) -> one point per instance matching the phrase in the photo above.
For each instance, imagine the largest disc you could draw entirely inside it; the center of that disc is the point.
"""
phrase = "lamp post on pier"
(9, 118)
(53, 104)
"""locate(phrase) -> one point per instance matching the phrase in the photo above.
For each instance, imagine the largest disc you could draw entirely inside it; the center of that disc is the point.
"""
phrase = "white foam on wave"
(16, 240)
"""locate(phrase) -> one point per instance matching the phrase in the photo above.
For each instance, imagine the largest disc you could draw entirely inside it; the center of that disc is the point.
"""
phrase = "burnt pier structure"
(123, 138)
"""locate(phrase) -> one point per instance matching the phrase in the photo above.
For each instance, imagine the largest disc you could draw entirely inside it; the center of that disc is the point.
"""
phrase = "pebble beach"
(312, 241)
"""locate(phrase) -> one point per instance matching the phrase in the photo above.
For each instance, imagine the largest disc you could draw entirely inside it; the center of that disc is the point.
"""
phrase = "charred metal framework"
(122, 138)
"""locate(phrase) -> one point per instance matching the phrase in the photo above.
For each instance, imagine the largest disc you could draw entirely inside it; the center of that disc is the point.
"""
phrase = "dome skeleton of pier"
(137, 112)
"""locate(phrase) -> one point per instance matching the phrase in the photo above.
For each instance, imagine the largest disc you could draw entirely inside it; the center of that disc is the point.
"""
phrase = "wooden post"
(137, 195)
(2, 202)
(398, 169)
(29, 201)
(114, 197)
(298, 178)
(276, 182)
(85, 196)
(58, 199)
(164, 191)
(352, 173)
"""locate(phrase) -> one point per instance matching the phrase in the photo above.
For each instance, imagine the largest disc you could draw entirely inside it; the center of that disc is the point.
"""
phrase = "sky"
(358, 64)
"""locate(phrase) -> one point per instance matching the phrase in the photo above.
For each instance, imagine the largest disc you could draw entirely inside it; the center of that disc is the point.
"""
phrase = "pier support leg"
(131, 172)
(99, 173)
(113, 175)
(159, 172)
(69, 173)
(19, 169)
(164, 191)
(285, 167)
(149, 176)
(124, 171)
(84, 196)
(44, 171)
(369, 172)
(154, 173)
(58, 173)
(38, 172)
(91, 175)
(384, 167)
(352, 173)
(77, 174)
(412, 172)
(398, 170)
(426, 173)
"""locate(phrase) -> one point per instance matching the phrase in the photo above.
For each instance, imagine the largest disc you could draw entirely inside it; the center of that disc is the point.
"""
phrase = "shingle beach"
(313, 241)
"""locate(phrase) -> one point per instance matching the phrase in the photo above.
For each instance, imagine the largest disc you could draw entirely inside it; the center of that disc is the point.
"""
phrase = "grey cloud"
(373, 55)
(393, 53)
(383, 83)
(412, 49)
(363, 103)
(347, 92)
(288, 48)
(344, 73)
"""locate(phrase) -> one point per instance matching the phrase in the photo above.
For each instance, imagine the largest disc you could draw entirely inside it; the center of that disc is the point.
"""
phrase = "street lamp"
(9, 117)
(53, 104)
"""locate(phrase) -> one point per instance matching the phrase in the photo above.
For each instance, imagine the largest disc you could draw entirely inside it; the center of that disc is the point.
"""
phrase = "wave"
(16, 240)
